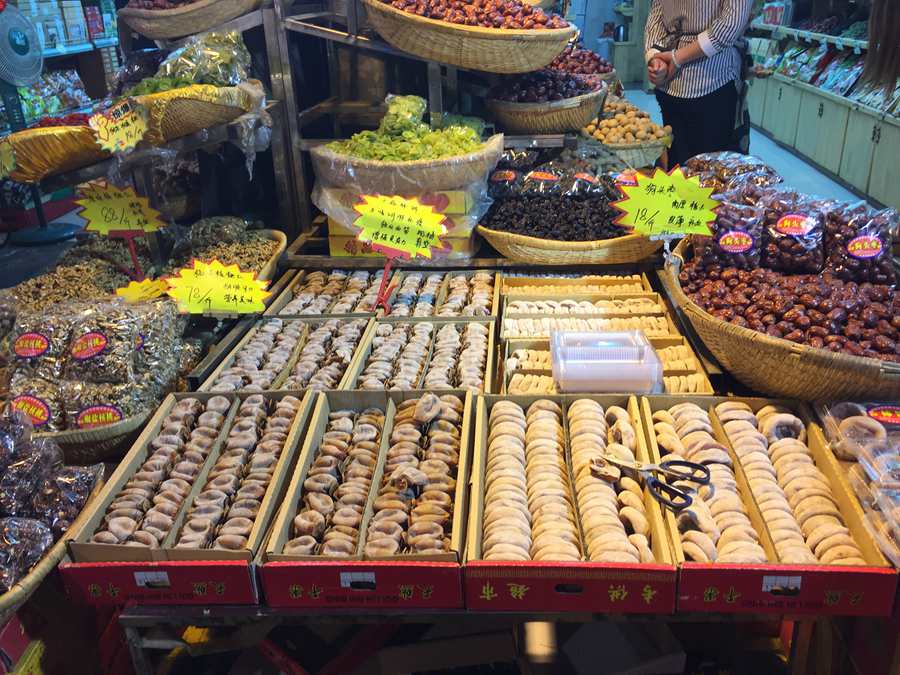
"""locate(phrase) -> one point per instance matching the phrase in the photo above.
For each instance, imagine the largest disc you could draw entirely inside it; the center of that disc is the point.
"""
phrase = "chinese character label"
(142, 291)
(204, 288)
(398, 227)
(667, 205)
(121, 127)
(517, 591)
(617, 593)
(488, 592)
(108, 208)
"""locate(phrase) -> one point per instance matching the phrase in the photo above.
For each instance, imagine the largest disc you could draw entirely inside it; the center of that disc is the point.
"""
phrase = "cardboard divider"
(103, 574)
(775, 588)
(229, 360)
(399, 581)
(364, 351)
(598, 312)
(563, 586)
(276, 309)
(468, 274)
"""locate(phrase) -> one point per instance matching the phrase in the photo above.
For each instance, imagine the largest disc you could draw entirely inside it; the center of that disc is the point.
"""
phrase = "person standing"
(696, 56)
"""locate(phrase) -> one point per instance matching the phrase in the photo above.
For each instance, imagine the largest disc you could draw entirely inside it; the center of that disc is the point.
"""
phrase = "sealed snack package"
(90, 405)
(62, 496)
(404, 113)
(25, 476)
(102, 345)
(156, 354)
(40, 342)
(23, 542)
(859, 244)
(726, 165)
(736, 239)
(866, 432)
(39, 400)
(217, 58)
(15, 435)
(795, 233)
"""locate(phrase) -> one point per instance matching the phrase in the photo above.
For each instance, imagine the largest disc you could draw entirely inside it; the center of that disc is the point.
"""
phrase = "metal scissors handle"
(675, 470)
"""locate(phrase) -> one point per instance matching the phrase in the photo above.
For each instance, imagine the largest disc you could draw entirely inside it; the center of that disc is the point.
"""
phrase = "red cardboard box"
(412, 580)
(778, 589)
(564, 587)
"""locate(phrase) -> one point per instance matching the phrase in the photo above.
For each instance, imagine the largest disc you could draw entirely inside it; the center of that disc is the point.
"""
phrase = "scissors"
(676, 470)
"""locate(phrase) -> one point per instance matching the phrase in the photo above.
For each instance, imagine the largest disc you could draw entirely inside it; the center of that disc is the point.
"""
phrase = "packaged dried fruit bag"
(736, 239)
(859, 244)
(794, 234)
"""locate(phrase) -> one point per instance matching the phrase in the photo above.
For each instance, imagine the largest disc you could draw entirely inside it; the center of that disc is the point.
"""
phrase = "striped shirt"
(716, 24)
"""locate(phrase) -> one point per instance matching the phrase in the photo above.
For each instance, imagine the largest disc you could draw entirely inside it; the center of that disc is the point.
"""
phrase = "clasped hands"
(661, 69)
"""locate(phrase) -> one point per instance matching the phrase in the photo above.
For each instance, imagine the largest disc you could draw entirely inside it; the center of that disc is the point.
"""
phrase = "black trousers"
(704, 124)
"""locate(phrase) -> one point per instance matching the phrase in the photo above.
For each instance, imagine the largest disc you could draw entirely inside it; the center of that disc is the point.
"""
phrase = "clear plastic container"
(864, 432)
(605, 362)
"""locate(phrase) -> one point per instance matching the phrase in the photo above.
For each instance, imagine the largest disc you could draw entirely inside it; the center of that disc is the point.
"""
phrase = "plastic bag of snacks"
(795, 233)
(218, 58)
(736, 239)
(23, 542)
(859, 243)
(60, 498)
(34, 464)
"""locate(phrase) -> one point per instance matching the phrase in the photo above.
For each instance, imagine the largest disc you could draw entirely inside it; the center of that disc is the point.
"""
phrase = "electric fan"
(21, 62)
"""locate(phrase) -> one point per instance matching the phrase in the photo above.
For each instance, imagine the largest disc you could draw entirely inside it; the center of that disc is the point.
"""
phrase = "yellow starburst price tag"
(110, 209)
(120, 127)
(214, 288)
(7, 158)
(664, 205)
(398, 227)
(142, 291)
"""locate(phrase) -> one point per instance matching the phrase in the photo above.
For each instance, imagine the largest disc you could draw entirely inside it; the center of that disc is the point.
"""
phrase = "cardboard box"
(403, 581)
(276, 307)
(115, 574)
(457, 202)
(359, 364)
(563, 586)
(775, 588)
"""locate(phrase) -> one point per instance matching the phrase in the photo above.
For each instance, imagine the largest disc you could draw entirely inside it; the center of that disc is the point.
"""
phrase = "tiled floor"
(796, 172)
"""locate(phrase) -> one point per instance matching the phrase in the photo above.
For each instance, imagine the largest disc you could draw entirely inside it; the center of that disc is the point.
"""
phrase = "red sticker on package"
(501, 176)
(30, 345)
(886, 414)
(88, 346)
(795, 225)
(735, 241)
(587, 177)
(543, 175)
(36, 409)
(98, 416)
(865, 246)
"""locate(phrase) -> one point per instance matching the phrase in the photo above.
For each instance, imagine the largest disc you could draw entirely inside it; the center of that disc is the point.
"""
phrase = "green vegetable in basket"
(155, 85)
(218, 58)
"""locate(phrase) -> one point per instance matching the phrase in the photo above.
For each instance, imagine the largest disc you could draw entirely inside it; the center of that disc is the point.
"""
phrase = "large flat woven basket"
(780, 367)
(641, 155)
(555, 117)
(197, 17)
(626, 249)
(493, 50)
(392, 178)
(18, 595)
(88, 446)
(46, 151)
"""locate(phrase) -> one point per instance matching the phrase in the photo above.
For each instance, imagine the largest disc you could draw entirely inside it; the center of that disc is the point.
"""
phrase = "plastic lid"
(867, 432)
(620, 362)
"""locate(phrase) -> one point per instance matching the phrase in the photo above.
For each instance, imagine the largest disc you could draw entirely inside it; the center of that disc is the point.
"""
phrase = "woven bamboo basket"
(88, 446)
(18, 595)
(626, 249)
(43, 152)
(779, 367)
(197, 17)
(268, 272)
(640, 155)
(394, 178)
(489, 49)
(548, 118)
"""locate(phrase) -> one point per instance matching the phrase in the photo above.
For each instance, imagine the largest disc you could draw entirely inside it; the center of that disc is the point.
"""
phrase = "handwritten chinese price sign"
(7, 158)
(667, 205)
(142, 291)
(399, 227)
(110, 209)
(214, 288)
(120, 127)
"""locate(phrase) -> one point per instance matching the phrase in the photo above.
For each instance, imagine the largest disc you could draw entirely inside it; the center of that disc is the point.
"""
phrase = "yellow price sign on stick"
(667, 205)
(398, 227)
(108, 209)
(214, 288)
(7, 158)
(142, 291)
(120, 127)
